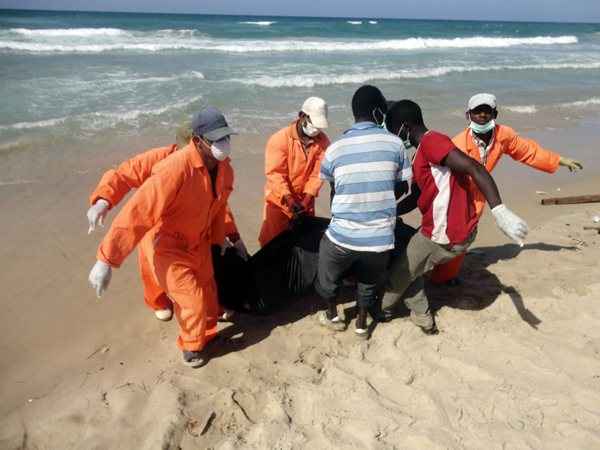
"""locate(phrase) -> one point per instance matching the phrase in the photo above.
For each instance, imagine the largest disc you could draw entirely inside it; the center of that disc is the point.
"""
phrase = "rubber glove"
(571, 164)
(510, 224)
(97, 213)
(100, 276)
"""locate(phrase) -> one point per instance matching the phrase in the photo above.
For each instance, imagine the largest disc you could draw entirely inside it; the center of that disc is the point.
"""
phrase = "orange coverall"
(505, 141)
(113, 187)
(116, 183)
(175, 217)
(290, 170)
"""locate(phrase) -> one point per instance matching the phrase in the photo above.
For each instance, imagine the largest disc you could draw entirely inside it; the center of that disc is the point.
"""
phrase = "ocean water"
(69, 78)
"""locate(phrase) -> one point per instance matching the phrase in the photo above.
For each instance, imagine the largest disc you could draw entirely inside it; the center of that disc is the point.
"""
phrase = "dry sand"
(516, 365)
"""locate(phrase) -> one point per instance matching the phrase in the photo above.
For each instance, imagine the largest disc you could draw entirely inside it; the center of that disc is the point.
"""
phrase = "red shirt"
(445, 201)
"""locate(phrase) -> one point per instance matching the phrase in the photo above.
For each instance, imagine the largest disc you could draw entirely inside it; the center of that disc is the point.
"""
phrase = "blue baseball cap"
(210, 123)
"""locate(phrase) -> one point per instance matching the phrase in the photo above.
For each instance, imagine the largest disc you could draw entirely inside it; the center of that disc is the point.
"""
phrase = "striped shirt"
(365, 164)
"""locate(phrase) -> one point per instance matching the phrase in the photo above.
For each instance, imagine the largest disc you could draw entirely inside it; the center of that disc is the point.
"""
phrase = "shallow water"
(73, 78)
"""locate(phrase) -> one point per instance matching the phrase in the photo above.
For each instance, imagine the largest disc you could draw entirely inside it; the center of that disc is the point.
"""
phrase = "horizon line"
(292, 16)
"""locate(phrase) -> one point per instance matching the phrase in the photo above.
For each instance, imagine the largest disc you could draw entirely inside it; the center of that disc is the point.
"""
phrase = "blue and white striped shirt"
(365, 164)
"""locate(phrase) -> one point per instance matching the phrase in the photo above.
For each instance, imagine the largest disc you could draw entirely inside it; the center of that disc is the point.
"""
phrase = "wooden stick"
(571, 200)
(592, 228)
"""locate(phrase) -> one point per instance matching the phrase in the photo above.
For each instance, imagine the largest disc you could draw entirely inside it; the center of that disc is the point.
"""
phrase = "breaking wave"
(70, 32)
(593, 101)
(174, 40)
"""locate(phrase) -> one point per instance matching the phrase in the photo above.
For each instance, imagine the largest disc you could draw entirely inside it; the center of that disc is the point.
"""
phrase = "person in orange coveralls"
(175, 216)
(486, 142)
(292, 163)
(131, 174)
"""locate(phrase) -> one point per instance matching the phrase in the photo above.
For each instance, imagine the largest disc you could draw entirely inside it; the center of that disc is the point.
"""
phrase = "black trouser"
(336, 262)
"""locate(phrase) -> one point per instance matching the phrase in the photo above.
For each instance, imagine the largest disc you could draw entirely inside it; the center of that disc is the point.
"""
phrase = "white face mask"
(482, 129)
(310, 130)
(221, 149)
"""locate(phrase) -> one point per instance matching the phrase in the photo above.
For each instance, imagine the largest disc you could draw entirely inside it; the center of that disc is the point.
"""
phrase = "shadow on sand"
(479, 287)
(478, 290)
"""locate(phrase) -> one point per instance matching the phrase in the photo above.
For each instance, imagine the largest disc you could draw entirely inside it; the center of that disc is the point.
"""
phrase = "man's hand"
(510, 224)
(571, 164)
(100, 276)
(97, 213)
(307, 202)
(293, 205)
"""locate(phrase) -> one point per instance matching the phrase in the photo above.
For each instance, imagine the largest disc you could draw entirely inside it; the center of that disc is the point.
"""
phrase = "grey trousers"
(405, 278)
(336, 262)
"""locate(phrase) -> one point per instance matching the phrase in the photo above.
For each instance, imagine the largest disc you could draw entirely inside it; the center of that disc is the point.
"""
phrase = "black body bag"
(283, 269)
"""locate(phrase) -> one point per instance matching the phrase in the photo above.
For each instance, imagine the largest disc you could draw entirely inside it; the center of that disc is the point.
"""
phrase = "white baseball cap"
(482, 99)
(316, 109)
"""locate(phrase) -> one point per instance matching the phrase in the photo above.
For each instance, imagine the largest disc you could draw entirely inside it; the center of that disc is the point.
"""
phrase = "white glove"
(510, 224)
(100, 276)
(239, 246)
(97, 213)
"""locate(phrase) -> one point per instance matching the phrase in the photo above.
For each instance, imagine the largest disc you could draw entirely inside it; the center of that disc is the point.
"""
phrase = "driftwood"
(571, 200)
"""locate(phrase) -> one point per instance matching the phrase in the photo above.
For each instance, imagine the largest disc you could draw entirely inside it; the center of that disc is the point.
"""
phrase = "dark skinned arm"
(458, 162)
(332, 193)
(409, 203)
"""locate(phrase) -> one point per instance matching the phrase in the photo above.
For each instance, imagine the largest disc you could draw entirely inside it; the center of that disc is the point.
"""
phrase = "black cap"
(210, 123)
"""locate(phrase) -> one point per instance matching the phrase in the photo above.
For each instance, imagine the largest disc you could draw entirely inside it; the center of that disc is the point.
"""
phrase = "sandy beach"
(516, 365)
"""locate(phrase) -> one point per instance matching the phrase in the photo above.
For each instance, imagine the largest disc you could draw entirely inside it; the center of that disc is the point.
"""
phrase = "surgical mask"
(482, 129)
(406, 142)
(221, 149)
(310, 130)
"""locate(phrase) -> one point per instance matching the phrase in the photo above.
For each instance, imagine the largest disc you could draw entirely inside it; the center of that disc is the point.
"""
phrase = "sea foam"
(180, 76)
(260, 23)
(70, 32)
(593, 101)
(310, 80)
(37, 124)
(522, 109)
(103, 119)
